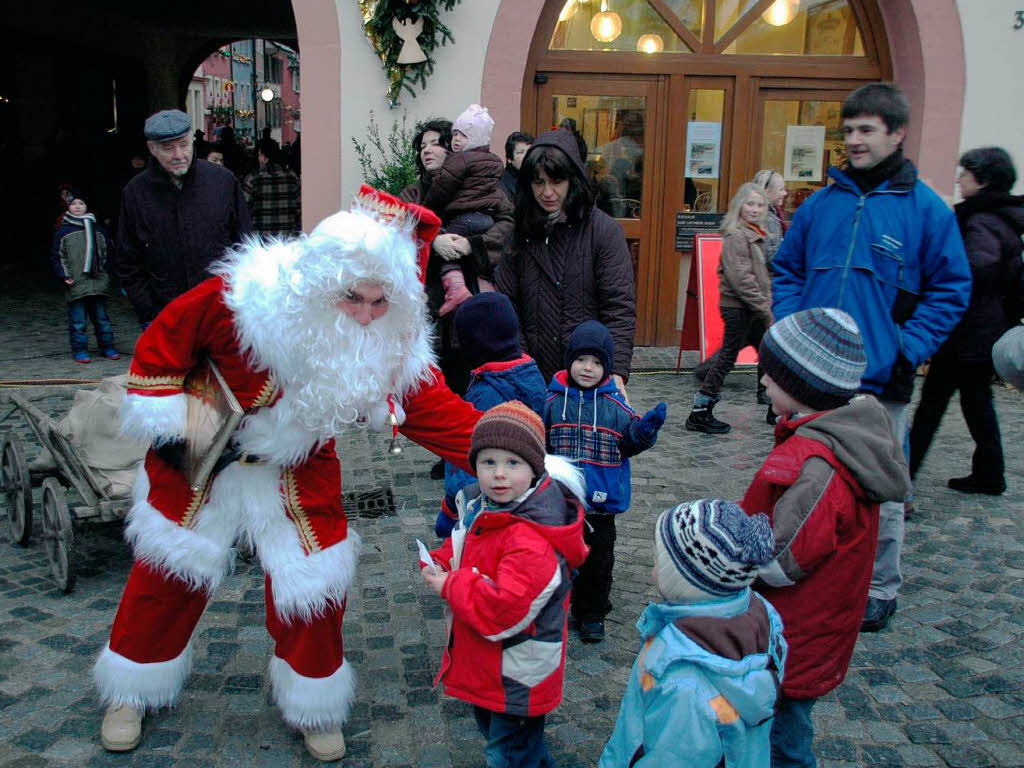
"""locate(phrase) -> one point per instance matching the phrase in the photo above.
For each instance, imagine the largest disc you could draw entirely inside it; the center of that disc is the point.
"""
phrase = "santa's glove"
(455, 291)
(172, 453)
(652, 421)
(378, 415)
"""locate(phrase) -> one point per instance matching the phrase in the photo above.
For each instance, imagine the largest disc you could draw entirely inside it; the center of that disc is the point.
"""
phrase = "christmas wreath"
(405, 34)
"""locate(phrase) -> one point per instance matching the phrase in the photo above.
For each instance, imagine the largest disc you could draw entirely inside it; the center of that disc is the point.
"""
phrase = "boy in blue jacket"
(487, 331)
(703, 690)
(589, 422)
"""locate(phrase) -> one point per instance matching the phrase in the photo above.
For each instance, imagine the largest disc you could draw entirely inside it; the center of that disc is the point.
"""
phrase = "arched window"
(740, 27)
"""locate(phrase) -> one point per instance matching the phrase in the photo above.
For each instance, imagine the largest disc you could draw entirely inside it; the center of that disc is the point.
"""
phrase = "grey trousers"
(886, 578)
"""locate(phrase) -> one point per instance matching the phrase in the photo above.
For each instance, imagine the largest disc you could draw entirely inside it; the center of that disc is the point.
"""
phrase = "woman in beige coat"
(745, 299)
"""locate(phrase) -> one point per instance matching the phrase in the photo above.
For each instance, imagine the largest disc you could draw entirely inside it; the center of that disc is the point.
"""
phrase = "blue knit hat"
(709, 549)
(591, 338)
(815, 356)
(487, 329)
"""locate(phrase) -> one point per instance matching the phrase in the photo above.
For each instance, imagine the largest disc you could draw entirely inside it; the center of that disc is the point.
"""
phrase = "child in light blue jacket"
(703, 690)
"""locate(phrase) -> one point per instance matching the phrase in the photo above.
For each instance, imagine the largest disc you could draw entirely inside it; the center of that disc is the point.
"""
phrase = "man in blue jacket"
(880, 245)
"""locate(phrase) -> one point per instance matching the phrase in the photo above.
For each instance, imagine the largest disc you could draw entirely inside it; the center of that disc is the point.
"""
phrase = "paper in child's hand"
(425, 557)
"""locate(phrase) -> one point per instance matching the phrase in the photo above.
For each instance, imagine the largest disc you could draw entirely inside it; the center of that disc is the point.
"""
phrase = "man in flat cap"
(177, 218)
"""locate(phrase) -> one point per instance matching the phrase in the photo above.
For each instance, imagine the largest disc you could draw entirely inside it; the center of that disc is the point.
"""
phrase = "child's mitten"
(652, 421)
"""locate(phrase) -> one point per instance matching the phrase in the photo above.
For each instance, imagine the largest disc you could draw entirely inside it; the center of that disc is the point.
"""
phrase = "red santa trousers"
(150, 652)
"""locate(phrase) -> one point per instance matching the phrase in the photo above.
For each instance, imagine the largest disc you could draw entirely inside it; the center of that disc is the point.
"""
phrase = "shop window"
(793, 27)
(624, 25)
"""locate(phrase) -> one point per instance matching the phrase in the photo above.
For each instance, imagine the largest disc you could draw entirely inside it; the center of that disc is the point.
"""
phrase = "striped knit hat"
(815, 356)
(709, 548)
(514, 427)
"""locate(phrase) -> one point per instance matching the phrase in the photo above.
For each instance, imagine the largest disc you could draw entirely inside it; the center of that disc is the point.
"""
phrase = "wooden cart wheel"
(58, 533)
(16, 486)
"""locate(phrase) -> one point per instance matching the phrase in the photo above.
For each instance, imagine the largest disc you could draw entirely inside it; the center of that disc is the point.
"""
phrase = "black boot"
(762, 398)
(701, 418)
(437, 470)
(972, 484)
(771, 417)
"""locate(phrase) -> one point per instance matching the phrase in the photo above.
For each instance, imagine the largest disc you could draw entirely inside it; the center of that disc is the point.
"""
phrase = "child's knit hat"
(76, 194)
(477, 124)
(591, 338)
(513, 427)
(487, 329)
(815, 356)
(709, 549)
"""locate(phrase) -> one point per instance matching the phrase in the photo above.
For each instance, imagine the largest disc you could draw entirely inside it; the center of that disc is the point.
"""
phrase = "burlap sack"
(93, 428)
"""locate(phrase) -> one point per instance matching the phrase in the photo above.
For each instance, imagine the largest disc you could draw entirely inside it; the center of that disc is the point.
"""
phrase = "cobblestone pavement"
(941, 686)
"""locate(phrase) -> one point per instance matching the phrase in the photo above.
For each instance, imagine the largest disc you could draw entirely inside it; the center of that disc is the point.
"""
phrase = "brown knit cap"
(514, 427)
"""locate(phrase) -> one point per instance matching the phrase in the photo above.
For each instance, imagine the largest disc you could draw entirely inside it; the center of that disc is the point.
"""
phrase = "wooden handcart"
(17, 480)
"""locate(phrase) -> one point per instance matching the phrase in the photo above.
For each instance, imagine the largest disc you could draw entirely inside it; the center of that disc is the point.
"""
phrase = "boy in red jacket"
(833, 463)
(505, 574)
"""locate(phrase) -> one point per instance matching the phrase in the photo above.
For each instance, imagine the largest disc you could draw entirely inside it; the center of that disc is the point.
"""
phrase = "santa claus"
(312, 336)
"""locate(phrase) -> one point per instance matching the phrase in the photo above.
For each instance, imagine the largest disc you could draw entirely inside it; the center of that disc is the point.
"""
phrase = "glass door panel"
(703, 171)
(613, 128)
(617, 120)
(791, 145)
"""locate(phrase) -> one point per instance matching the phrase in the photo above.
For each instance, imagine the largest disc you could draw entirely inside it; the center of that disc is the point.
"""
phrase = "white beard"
(332, 370)
(335, 370)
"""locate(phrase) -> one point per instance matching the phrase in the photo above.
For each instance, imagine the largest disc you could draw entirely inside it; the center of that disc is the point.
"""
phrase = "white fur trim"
(568, 474)
(153, 418)
(123, 682)
(312, 703)
(303, 585)
(199, 556)
(274, 434)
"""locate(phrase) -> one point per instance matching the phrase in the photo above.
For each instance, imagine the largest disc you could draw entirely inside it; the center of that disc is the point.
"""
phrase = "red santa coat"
(290, 505)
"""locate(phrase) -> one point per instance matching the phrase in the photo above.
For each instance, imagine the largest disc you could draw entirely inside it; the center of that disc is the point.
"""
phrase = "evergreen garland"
(377, 25)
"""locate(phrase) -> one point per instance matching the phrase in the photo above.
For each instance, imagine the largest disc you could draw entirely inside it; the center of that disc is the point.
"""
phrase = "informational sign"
(690, 223)
(703, 148)
(805, 152)
(712, 329)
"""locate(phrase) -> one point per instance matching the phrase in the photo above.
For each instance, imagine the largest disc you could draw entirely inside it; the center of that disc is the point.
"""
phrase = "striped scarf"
(88, 222)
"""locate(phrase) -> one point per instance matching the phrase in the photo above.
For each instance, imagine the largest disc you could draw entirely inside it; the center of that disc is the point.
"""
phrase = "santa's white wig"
(284, 295)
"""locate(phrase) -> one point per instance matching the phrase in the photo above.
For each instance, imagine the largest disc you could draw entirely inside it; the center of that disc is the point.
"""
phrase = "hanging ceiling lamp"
(606, 25)
(650, 43)
(781, 12)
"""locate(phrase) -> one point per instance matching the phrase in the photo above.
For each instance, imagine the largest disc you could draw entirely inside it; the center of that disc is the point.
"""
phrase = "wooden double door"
(662, 144)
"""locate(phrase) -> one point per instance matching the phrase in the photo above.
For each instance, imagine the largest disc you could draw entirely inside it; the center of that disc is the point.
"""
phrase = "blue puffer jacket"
(687, 705)
(489, 385)
(892, 258)
(596, 430)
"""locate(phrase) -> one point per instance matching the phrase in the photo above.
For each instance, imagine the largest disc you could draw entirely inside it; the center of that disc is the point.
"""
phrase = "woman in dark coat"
(568, 261)
(991, 222)
(477, 255)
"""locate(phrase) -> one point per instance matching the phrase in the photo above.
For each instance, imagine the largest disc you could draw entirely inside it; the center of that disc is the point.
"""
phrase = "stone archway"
(320, 46)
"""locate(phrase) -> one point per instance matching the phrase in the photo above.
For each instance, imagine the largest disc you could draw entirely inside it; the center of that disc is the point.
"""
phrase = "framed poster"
(703, 149)
(805, 152)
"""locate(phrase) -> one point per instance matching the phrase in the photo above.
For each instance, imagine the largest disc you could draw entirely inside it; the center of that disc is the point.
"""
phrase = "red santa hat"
(423, 222)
